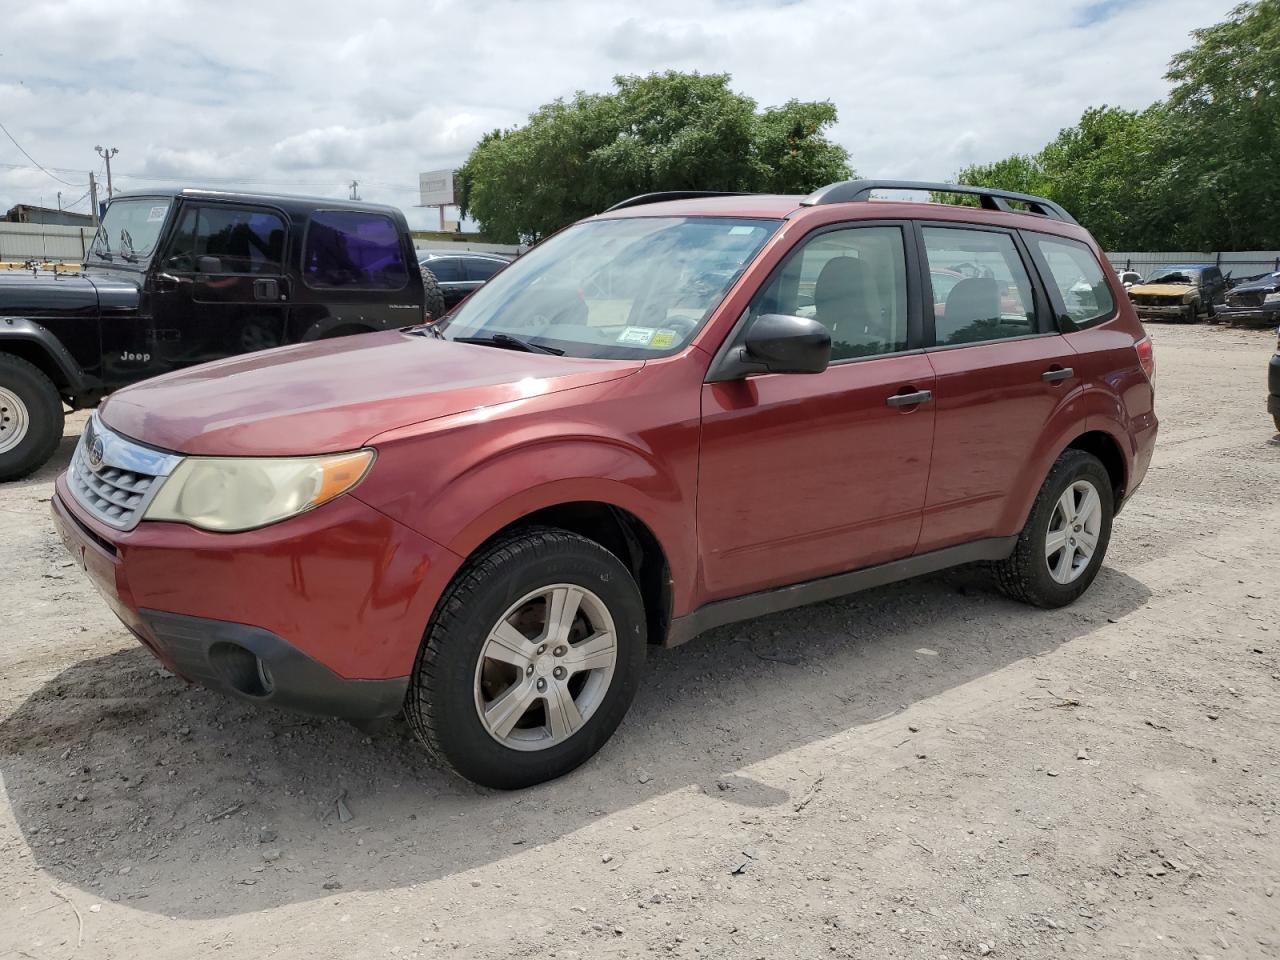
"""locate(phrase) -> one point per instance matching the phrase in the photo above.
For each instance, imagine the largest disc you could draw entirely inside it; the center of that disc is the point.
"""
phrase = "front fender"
(28, 331)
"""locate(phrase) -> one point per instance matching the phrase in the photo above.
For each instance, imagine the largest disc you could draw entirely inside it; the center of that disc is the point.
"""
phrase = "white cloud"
(307, 96)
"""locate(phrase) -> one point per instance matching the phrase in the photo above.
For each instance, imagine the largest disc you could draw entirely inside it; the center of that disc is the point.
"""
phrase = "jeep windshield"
(630, 288)
(129, 230)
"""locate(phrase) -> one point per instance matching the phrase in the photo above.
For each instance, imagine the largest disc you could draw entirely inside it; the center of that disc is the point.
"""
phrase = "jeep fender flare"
(70, 379)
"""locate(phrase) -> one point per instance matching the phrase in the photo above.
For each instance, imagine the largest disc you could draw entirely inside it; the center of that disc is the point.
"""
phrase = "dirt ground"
(926, 770)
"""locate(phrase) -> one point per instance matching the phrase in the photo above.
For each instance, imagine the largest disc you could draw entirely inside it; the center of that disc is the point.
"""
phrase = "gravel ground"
(926, 770)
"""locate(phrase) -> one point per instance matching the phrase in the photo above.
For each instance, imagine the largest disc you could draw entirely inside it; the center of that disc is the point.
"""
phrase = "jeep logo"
(139, 357)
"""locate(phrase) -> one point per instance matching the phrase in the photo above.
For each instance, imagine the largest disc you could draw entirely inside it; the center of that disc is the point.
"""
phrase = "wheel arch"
(39, 347)
(622, 533)
(1105, 447)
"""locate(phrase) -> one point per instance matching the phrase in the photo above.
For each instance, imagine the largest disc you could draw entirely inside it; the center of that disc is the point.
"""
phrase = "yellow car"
(1187, 293)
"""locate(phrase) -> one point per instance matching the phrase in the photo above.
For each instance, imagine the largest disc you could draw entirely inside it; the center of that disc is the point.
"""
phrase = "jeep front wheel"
(30, 417)
(530, 660)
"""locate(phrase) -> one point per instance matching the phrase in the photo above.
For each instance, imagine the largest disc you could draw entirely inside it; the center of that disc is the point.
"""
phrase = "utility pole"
(355, 194)
(93, 199)
(59, 201)
(107, 155)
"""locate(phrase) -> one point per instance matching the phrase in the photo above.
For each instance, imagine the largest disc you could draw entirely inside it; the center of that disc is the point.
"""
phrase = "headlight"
(1272, 297)
(240, 493)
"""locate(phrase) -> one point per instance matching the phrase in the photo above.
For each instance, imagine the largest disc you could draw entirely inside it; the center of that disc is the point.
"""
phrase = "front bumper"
(323, 613)
(1179, 312)
(1263, 316)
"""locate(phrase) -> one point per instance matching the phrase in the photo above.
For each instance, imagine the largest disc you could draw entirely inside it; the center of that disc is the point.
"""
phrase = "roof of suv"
(855, 200)
(292, 201)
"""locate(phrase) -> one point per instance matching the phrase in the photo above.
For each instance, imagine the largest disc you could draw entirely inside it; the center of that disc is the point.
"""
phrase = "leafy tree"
(664, 131)
(1195, 172)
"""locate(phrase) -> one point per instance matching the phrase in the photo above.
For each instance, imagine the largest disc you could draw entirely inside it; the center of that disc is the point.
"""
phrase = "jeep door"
(1003, 372)
(807, 475)
(220, 289)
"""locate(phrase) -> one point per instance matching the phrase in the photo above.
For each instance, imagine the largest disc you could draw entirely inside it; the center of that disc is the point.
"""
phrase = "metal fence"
(1239, 264)
(40, 241)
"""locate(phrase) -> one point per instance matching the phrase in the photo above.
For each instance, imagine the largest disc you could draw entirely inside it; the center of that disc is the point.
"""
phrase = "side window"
(218, 239)
(349, 248)
(981, 290)
(479, 268)
(446, 269)
(853, 282)
(1076, 273)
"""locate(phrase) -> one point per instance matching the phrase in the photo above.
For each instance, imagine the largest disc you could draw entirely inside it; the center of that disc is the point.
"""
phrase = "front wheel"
(31, 417)
(1064, 540)
(530, 661)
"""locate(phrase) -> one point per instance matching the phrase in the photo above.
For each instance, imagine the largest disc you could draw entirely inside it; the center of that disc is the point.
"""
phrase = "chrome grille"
(114, 478)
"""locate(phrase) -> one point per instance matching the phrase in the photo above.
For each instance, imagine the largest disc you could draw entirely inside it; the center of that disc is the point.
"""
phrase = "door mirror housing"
(208, 265)
(786, 344)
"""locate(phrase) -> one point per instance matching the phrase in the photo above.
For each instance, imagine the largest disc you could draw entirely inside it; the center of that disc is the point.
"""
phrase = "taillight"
(1147, 357)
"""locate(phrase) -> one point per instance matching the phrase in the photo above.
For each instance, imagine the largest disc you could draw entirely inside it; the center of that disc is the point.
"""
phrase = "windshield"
(1173, 275)
(129, 230)
(620, 289)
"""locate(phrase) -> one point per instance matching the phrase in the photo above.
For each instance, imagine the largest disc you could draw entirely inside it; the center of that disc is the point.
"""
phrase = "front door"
(802, 476)
(219, 289)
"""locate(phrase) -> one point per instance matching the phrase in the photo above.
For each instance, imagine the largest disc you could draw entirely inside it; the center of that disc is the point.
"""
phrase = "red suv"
(689, 410)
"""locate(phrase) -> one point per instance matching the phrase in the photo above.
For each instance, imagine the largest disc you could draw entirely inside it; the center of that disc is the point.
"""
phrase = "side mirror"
(785, 344)
(208, 265)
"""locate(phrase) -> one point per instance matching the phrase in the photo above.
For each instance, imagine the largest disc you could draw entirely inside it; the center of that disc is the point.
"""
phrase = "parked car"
(1187, 293)
(460, 273)
(179, 277)
(628, 437)
(1256, 302)
(1273, 384)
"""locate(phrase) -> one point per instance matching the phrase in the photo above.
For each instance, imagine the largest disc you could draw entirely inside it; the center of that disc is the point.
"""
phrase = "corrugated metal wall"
(38, 241)
(1240, 264)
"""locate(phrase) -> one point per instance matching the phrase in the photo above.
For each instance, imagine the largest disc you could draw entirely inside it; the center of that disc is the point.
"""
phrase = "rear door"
(1002, 372)
(452, 277)
(806, 475)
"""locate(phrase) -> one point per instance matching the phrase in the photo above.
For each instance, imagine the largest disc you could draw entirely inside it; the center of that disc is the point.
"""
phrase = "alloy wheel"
(1074, 528)
(545, 667)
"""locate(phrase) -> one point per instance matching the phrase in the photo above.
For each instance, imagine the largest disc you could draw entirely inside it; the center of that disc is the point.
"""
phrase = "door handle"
(910, 399)
(164, 283)
(266, 290)
(1056, 374)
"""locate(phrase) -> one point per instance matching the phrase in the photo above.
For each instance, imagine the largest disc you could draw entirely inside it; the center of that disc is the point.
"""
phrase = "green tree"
(664, 131)
(1225, 110)
(1195, 172)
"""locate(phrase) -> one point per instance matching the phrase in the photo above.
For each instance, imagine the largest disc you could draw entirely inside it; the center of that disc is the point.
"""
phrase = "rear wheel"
(1062, 544)
(30, 417)
(530, 661)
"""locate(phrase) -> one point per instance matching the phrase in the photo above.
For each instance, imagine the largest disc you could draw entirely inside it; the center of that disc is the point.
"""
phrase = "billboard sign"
(436, 188)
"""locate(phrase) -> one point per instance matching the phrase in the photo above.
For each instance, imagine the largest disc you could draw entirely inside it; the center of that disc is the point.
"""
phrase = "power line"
(33, 159)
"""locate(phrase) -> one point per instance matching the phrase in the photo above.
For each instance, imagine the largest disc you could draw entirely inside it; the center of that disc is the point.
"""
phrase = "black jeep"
(179, 277)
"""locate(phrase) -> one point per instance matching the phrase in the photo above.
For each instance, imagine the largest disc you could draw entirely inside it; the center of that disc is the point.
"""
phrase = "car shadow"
(132, 786)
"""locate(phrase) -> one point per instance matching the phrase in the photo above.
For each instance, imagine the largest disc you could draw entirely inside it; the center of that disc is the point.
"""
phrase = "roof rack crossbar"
(850, 191)
(663, 195)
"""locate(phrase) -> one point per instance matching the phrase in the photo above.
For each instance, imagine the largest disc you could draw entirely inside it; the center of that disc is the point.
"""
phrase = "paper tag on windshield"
(663, 339)
(636, 336)
(156, 213)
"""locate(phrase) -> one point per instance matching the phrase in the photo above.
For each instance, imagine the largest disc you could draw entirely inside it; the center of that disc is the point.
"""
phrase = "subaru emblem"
(95, 454)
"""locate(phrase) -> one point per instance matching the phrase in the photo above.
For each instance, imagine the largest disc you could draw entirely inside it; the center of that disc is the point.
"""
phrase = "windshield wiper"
(507, 342)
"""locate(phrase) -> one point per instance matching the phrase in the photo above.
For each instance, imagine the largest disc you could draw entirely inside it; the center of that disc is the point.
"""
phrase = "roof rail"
(848, 191)
(662, 195)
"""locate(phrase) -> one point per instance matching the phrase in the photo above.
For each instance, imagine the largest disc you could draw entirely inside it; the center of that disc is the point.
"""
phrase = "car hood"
(1163, 289)
(1267, 284)
(46, 294)
(337, 394)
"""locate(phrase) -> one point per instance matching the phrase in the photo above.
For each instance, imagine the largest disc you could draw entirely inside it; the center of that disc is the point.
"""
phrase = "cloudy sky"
(304, 95)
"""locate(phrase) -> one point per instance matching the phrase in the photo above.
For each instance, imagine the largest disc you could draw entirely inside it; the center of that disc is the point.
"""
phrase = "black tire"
(433, 297)
(1025, 575)
(1276, 418)
(33, 399)
(441, 703)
